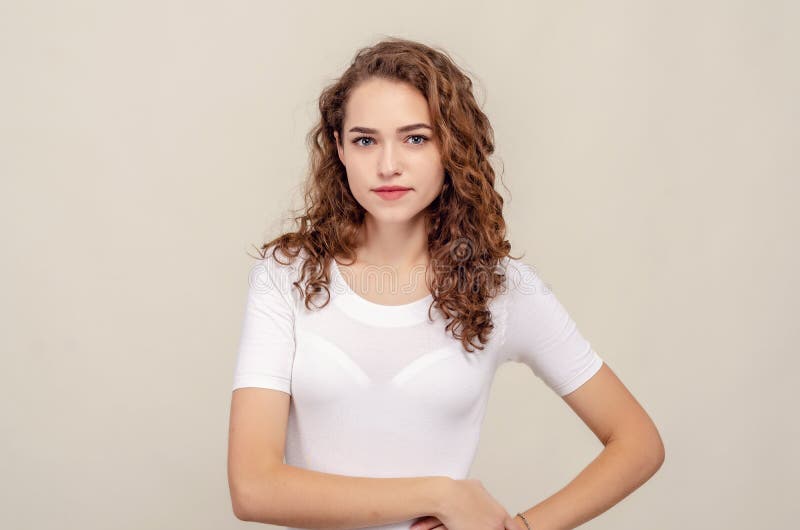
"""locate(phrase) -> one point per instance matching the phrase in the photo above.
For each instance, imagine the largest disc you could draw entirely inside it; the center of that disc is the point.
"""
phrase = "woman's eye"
(357, 140)
(422, 138)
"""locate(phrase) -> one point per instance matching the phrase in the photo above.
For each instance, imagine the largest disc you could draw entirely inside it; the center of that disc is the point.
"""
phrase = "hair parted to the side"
(466, 228)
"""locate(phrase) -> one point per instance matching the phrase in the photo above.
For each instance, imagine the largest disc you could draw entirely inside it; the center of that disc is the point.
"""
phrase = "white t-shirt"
(379, 390)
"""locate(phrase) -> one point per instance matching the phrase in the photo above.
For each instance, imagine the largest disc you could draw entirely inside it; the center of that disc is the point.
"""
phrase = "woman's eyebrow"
(405, 128)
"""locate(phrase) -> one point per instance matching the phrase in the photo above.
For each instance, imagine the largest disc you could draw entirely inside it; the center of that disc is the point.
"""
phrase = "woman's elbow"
(654, 450)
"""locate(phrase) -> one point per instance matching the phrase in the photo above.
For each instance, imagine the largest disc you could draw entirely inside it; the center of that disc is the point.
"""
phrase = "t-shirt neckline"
(382, 314)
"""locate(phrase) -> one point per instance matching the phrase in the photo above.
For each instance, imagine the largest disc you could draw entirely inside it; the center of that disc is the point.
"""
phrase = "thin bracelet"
(525, 520)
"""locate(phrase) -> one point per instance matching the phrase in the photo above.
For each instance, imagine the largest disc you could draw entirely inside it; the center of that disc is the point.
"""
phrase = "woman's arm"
(301, 498)
(264, 489)
(633, 453)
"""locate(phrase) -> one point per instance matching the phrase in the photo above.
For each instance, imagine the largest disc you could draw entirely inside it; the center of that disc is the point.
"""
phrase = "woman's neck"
(401, 245)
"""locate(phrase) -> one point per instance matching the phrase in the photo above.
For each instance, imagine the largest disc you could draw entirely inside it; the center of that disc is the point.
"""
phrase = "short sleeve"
(541, 334)
(267, 344)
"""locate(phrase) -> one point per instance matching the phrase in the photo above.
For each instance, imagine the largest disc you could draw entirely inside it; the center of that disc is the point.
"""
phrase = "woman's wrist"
(524, 520)
(440, 491)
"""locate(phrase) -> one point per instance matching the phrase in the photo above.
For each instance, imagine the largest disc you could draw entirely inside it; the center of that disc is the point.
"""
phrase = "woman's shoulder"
(520, 274)
(281, 266)
(522, 264)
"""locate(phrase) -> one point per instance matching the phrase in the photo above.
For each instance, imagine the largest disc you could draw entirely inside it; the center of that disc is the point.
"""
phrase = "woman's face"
(388, 141)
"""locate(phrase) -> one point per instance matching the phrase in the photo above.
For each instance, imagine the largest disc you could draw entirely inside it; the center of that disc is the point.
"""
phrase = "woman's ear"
(339, 147)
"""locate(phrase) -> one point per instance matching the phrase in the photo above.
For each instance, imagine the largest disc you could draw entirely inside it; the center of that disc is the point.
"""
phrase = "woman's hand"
(429, 521)
(426, 523)
(468, 506)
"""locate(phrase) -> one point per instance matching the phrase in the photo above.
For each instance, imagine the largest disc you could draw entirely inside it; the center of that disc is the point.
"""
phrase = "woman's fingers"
(427, 523)
(514, 523)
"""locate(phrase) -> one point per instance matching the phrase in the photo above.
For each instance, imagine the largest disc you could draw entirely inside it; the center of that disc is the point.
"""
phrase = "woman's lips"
(391, 195)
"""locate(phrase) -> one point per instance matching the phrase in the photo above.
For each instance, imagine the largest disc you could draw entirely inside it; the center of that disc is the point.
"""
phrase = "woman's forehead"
(386, 106)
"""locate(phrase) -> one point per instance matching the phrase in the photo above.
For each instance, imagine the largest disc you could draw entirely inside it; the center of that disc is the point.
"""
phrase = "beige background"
(651, 153)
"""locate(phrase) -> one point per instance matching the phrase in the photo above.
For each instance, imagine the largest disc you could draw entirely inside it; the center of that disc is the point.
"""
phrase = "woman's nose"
(388, 161)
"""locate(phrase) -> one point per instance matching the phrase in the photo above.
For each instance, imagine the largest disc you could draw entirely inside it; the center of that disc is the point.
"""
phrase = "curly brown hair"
(465, 224)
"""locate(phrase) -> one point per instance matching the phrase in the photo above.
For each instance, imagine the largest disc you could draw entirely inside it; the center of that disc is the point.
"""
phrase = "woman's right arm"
(301, 498)
(264, 489)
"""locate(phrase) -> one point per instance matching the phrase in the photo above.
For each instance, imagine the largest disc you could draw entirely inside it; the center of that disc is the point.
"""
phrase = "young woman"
(373, 331)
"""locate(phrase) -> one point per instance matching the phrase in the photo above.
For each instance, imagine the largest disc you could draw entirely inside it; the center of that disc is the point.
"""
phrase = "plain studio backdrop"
(650, 150)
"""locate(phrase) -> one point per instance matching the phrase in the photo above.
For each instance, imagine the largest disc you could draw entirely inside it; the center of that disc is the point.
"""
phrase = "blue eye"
(361, 138)
(423, 138)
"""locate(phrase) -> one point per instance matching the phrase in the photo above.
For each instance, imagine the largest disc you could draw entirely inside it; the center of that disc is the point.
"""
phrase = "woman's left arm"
(632, 454)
